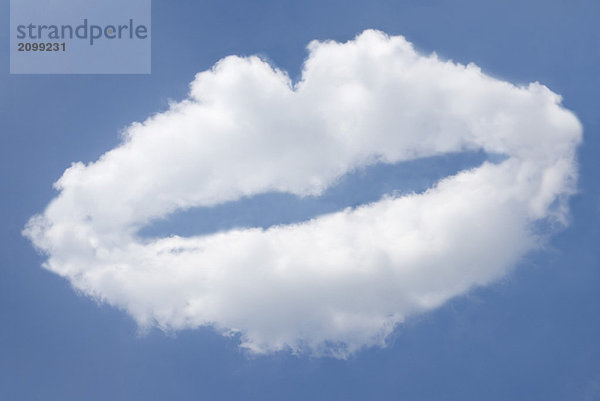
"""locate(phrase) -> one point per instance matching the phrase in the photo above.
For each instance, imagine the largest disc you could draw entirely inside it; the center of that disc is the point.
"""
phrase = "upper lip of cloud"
(341, 281)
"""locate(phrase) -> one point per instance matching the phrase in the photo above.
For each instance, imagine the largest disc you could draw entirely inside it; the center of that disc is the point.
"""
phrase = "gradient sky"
(532, 336)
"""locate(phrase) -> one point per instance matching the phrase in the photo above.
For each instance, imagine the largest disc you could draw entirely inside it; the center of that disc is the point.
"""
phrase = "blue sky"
(532, 335)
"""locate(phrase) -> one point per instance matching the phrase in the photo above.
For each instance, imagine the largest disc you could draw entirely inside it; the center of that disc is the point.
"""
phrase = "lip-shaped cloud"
(341, 281)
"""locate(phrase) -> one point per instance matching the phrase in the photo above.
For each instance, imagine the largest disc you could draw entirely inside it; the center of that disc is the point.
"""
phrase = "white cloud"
(341, 281)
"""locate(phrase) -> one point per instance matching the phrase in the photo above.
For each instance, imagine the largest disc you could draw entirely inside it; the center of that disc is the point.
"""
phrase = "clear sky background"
(532, 336)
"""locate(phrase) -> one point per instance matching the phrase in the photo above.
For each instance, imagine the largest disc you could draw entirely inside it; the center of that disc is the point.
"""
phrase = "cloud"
(341, 281)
